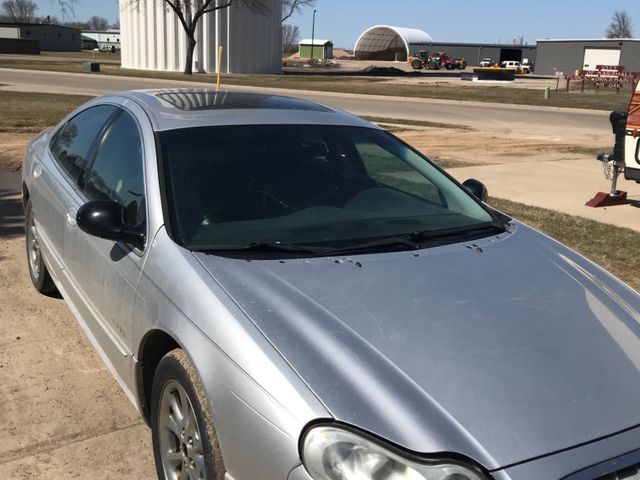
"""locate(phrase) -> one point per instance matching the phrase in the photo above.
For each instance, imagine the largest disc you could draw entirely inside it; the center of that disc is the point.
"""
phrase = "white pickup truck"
(517, 66)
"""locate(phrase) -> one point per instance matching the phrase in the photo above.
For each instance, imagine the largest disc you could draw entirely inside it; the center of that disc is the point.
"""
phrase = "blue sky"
(459, 21)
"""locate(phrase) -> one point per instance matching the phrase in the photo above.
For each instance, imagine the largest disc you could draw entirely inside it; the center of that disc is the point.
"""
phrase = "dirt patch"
(12, 148)
(464, 148)
(63, 416)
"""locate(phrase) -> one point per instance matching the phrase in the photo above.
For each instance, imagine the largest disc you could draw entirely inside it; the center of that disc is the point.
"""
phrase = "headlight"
(331, 453)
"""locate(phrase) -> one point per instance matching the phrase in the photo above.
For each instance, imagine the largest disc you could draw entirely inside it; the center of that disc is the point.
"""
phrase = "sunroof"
(212, 100)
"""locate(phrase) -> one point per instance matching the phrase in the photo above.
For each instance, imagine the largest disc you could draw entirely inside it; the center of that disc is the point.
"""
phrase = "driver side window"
(117, 172)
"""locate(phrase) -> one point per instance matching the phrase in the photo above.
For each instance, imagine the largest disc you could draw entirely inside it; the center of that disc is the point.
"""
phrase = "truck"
(517, 66)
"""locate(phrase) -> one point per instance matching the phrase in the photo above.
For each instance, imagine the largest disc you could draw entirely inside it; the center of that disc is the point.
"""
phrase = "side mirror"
(105, 219)
(477, 188)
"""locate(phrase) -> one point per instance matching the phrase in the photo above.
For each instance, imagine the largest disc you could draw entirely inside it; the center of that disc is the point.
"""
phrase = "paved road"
(566, 124)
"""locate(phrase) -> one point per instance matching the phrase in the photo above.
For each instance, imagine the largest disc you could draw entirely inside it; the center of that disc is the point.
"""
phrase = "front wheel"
(416, 64)
(185, 443)
(38, 272)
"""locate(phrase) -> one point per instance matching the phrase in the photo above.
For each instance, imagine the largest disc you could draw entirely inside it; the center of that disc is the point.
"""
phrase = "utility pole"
(313, 33)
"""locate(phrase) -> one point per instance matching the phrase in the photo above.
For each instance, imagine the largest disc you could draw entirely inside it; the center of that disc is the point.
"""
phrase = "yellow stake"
(219, 66)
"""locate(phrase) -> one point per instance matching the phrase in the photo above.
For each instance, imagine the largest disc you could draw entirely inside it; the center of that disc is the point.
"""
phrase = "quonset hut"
(384, 42)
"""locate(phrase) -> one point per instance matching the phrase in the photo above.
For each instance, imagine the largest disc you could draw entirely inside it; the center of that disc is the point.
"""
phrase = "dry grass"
(416, 123)
(32, 112)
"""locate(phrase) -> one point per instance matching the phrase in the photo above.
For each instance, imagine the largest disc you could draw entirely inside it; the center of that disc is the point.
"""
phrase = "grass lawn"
(604, 100)
(31, 112)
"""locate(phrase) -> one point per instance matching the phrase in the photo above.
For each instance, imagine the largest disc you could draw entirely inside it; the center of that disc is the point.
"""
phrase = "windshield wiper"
(416, 240)
(454, 232)
(266, 247)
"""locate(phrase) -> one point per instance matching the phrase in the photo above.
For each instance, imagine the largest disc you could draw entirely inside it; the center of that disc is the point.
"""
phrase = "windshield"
(297, 185)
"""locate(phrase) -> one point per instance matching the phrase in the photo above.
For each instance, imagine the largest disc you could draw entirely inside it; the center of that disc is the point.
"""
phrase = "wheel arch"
(25, 195)
(154, 345)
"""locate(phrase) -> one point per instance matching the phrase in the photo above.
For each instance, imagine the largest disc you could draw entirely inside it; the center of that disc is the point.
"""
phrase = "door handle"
(37, 170)
(71, 217)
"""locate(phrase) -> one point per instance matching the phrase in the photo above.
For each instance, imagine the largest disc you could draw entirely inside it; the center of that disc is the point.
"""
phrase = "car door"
(56, 175)
(106, 272)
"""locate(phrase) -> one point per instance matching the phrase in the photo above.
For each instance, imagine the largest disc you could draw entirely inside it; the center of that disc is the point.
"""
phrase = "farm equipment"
(444, 61)
(436, 62)
(614, 163)
(423, 60)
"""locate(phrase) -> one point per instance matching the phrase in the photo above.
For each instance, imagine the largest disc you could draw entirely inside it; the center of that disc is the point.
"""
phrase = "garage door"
(600, 56)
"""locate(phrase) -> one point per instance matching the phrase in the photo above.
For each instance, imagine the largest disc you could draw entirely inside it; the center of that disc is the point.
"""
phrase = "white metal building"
(94, 39)
(152, 38)
(384, 42)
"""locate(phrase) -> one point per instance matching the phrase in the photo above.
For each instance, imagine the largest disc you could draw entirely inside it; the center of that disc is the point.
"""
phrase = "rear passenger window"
(117, 170)
(73, 143)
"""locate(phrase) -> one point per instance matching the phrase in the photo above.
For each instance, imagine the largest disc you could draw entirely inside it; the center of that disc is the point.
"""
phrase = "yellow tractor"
(423, 60)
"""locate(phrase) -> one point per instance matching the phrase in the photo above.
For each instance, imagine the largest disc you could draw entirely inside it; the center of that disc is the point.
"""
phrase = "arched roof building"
(384, 42)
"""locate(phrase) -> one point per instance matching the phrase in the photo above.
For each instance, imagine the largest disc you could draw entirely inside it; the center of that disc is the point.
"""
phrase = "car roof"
(171, 109)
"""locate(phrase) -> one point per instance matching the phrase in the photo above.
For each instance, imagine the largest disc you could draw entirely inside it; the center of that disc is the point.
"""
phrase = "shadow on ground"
(11, 215)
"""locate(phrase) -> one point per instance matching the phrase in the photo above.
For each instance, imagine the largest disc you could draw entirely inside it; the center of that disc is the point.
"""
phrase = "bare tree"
(116, 24)
(289, 7)
(19, 11)
(49, 20)
(190, 12)
(78, 25)
(98, 23)
(620, 26)
(66, 7)
(290, 37)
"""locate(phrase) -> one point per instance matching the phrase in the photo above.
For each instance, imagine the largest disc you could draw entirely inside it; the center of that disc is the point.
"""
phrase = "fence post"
(220, 50)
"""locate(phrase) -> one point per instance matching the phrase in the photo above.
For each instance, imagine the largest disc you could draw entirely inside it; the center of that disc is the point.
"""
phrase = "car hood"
(503, 349)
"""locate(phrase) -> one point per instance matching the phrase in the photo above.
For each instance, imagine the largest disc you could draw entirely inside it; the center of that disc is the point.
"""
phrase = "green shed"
(322, 49)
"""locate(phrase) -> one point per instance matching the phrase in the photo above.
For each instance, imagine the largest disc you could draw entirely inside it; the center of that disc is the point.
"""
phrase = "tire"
(176, 448)
(40, 277)
(416, 64)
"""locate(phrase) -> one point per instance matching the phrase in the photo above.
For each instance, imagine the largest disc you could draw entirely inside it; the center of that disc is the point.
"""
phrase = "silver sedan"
(285, 291)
